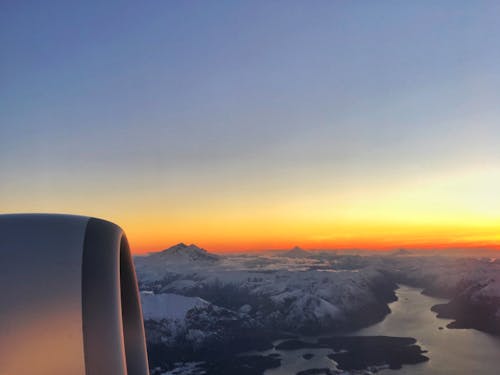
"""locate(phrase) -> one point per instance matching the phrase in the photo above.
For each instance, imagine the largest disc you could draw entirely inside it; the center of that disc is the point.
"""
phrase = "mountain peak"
(401, 252)
(187, 253)
(296, 252)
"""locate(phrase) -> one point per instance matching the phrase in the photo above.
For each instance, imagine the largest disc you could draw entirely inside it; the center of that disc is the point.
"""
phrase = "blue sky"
(250, 98)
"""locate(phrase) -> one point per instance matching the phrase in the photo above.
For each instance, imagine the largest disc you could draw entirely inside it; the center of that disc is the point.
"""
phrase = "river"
(451, 351)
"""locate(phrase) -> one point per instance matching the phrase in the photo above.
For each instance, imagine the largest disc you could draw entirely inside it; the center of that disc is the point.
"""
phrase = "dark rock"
(316, 371)
(361, 352)
(480, 315)
(242, 365)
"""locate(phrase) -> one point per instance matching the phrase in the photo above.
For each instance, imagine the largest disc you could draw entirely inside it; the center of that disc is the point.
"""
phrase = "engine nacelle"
(69, 301)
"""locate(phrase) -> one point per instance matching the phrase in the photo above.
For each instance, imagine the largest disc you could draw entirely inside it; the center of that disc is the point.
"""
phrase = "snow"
(296, 252)
(294, 292)
(297, 288)
(289, 292)
(186, 368)
(168, 306)
(182, 253)
(491, 289)
(245, 309)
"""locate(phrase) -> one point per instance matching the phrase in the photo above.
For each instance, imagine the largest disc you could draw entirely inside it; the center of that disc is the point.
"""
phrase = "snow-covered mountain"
(180, 256)
(280, 292)
(472, 284)
(296, 252)
(476, 301)
(197, 301)
(174, 320)
(401, 252)
(169, 306)
(182, 253)
(310, 293)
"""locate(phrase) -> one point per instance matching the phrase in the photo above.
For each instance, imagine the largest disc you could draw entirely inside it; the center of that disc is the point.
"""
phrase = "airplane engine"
(69, 301)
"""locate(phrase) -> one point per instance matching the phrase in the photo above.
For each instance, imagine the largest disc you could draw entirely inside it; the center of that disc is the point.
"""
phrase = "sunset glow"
(261, 133)
(457, 211)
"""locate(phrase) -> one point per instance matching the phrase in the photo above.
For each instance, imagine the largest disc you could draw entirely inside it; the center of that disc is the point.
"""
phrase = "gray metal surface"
(63, 282)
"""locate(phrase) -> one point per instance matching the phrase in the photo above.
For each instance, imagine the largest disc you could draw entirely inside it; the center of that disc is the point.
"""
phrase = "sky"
(247, 125)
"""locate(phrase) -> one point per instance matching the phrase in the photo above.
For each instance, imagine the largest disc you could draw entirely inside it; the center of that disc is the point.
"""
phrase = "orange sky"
(437, 210)
(369, 238)
(453, 210)
(251, 127)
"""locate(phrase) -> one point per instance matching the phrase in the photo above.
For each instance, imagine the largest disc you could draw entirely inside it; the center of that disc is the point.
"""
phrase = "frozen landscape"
(297, 311)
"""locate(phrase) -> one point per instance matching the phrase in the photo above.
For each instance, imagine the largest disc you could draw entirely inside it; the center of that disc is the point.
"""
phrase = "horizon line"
(383, 249)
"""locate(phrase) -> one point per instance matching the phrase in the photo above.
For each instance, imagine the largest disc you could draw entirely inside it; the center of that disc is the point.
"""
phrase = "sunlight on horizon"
(317, 126)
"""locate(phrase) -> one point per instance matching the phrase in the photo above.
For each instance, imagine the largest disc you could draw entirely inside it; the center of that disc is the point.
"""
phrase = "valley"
(204, 311)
